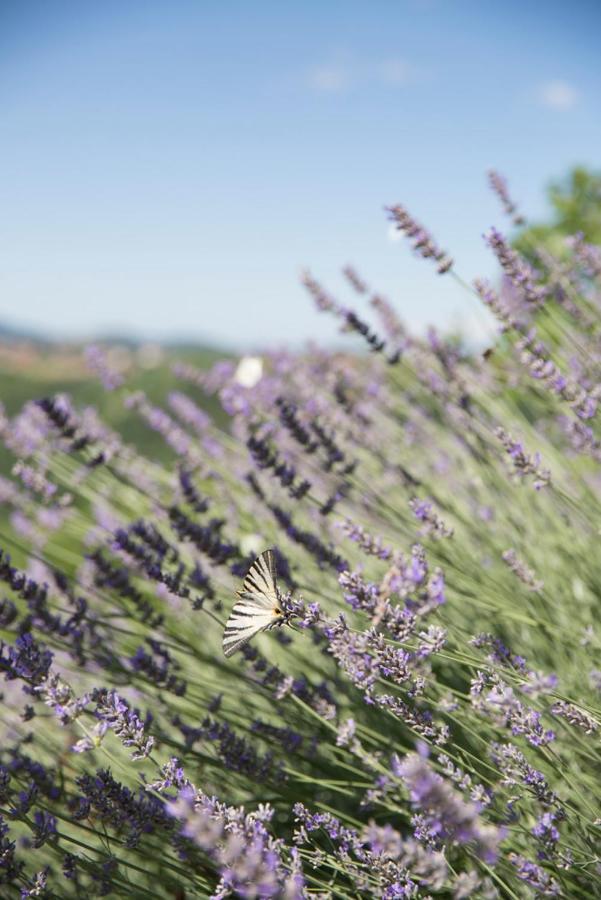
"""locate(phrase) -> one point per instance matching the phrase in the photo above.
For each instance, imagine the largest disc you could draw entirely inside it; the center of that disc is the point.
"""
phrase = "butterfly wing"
(261, 579)
(257, 606)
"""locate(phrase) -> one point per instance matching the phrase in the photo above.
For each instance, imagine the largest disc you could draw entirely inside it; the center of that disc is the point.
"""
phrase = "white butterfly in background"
(260, 606)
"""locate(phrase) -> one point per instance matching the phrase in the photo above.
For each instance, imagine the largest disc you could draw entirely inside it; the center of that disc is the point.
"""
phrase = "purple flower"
(115, 713)
(422, 242)
(189, 412)
(499, 185)
(24, 800)
(157, 667)
(434, 525)
(446, 813)
(492, 696)
(575, 716)
(373, 546)
(99, 362)
(519, 568)
(59, 696)
(35, 480)
(251, 863)
(27, 660)
(44, 827)
(118, 806)
(517, 269)
(523, 464)
(37, 886)
(499, 653)
(516, 770)
(535, 876)
(546, 832)
(198, 823)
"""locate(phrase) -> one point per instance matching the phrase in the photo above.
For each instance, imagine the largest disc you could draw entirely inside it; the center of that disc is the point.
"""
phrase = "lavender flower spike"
(447, 814)
(499, 186)
(519, 568)
(518, 270)
(423, 242)
(116, 714)
(523, 464)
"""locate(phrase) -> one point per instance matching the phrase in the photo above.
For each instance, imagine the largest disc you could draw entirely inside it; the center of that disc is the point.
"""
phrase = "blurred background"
(169, 168)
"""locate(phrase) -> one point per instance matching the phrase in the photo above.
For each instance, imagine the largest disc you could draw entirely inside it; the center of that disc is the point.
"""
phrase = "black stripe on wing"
(261, 577)
(236, 638)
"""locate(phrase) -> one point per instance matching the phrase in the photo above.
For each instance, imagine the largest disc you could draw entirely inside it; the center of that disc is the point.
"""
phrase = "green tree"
(576, 204)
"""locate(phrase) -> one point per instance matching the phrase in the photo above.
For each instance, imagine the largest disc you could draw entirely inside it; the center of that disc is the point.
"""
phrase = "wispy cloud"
(558, 95)
(340, 76)
(395, 71)
(332, 78)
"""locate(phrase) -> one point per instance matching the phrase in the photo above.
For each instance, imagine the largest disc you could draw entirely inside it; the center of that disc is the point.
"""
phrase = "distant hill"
(16, 333)
(10, 333)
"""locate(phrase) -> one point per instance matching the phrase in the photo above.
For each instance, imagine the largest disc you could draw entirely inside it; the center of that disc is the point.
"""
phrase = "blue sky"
(168, 168)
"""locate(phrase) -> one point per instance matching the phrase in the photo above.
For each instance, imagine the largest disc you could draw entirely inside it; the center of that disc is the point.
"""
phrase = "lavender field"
(429, 726)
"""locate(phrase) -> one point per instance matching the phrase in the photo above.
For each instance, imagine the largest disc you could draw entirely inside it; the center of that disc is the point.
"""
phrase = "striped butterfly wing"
(257, 607)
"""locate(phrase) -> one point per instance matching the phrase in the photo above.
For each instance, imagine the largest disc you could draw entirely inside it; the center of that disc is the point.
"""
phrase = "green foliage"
(575, 201)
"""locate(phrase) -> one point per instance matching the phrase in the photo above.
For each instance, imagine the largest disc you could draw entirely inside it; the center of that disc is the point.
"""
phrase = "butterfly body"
(260, 605)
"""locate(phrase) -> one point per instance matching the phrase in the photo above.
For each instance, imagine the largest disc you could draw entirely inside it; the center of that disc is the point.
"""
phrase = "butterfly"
(260, 605)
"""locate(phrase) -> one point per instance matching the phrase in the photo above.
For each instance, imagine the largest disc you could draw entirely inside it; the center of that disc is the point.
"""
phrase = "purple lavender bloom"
(499, 653)
(522, 463)
(436, 588)
(491, 695)
(98, 361)
(517, 771)
(535, 876)
(517, 269)
(118, 806)
(575, 716)
(158, 667)
(69, 867)
(238, 755)
(417, 569)
(34, 480)
(199, 823)
(44, 827)
(24, 800)
(358, 593)
(249, 860)
(323, 554)
(345, 837)
(423, 242)
(547, 832)
(499, 185)
(540, 683)
(447, 814)
(498, 305)
(26, 432)
(311, 616)
(4, 784)
(37, 886)
(172, 775)
(519, 568)
(160, 421)
(373, 546)
(113, 711)
(27, 660)
(323, 301)
(354, 279)
(189, 412)
(59, 696)
(10, 866)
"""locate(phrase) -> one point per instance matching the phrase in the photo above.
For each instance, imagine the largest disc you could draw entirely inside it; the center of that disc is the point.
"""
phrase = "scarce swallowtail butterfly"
(260, 605)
